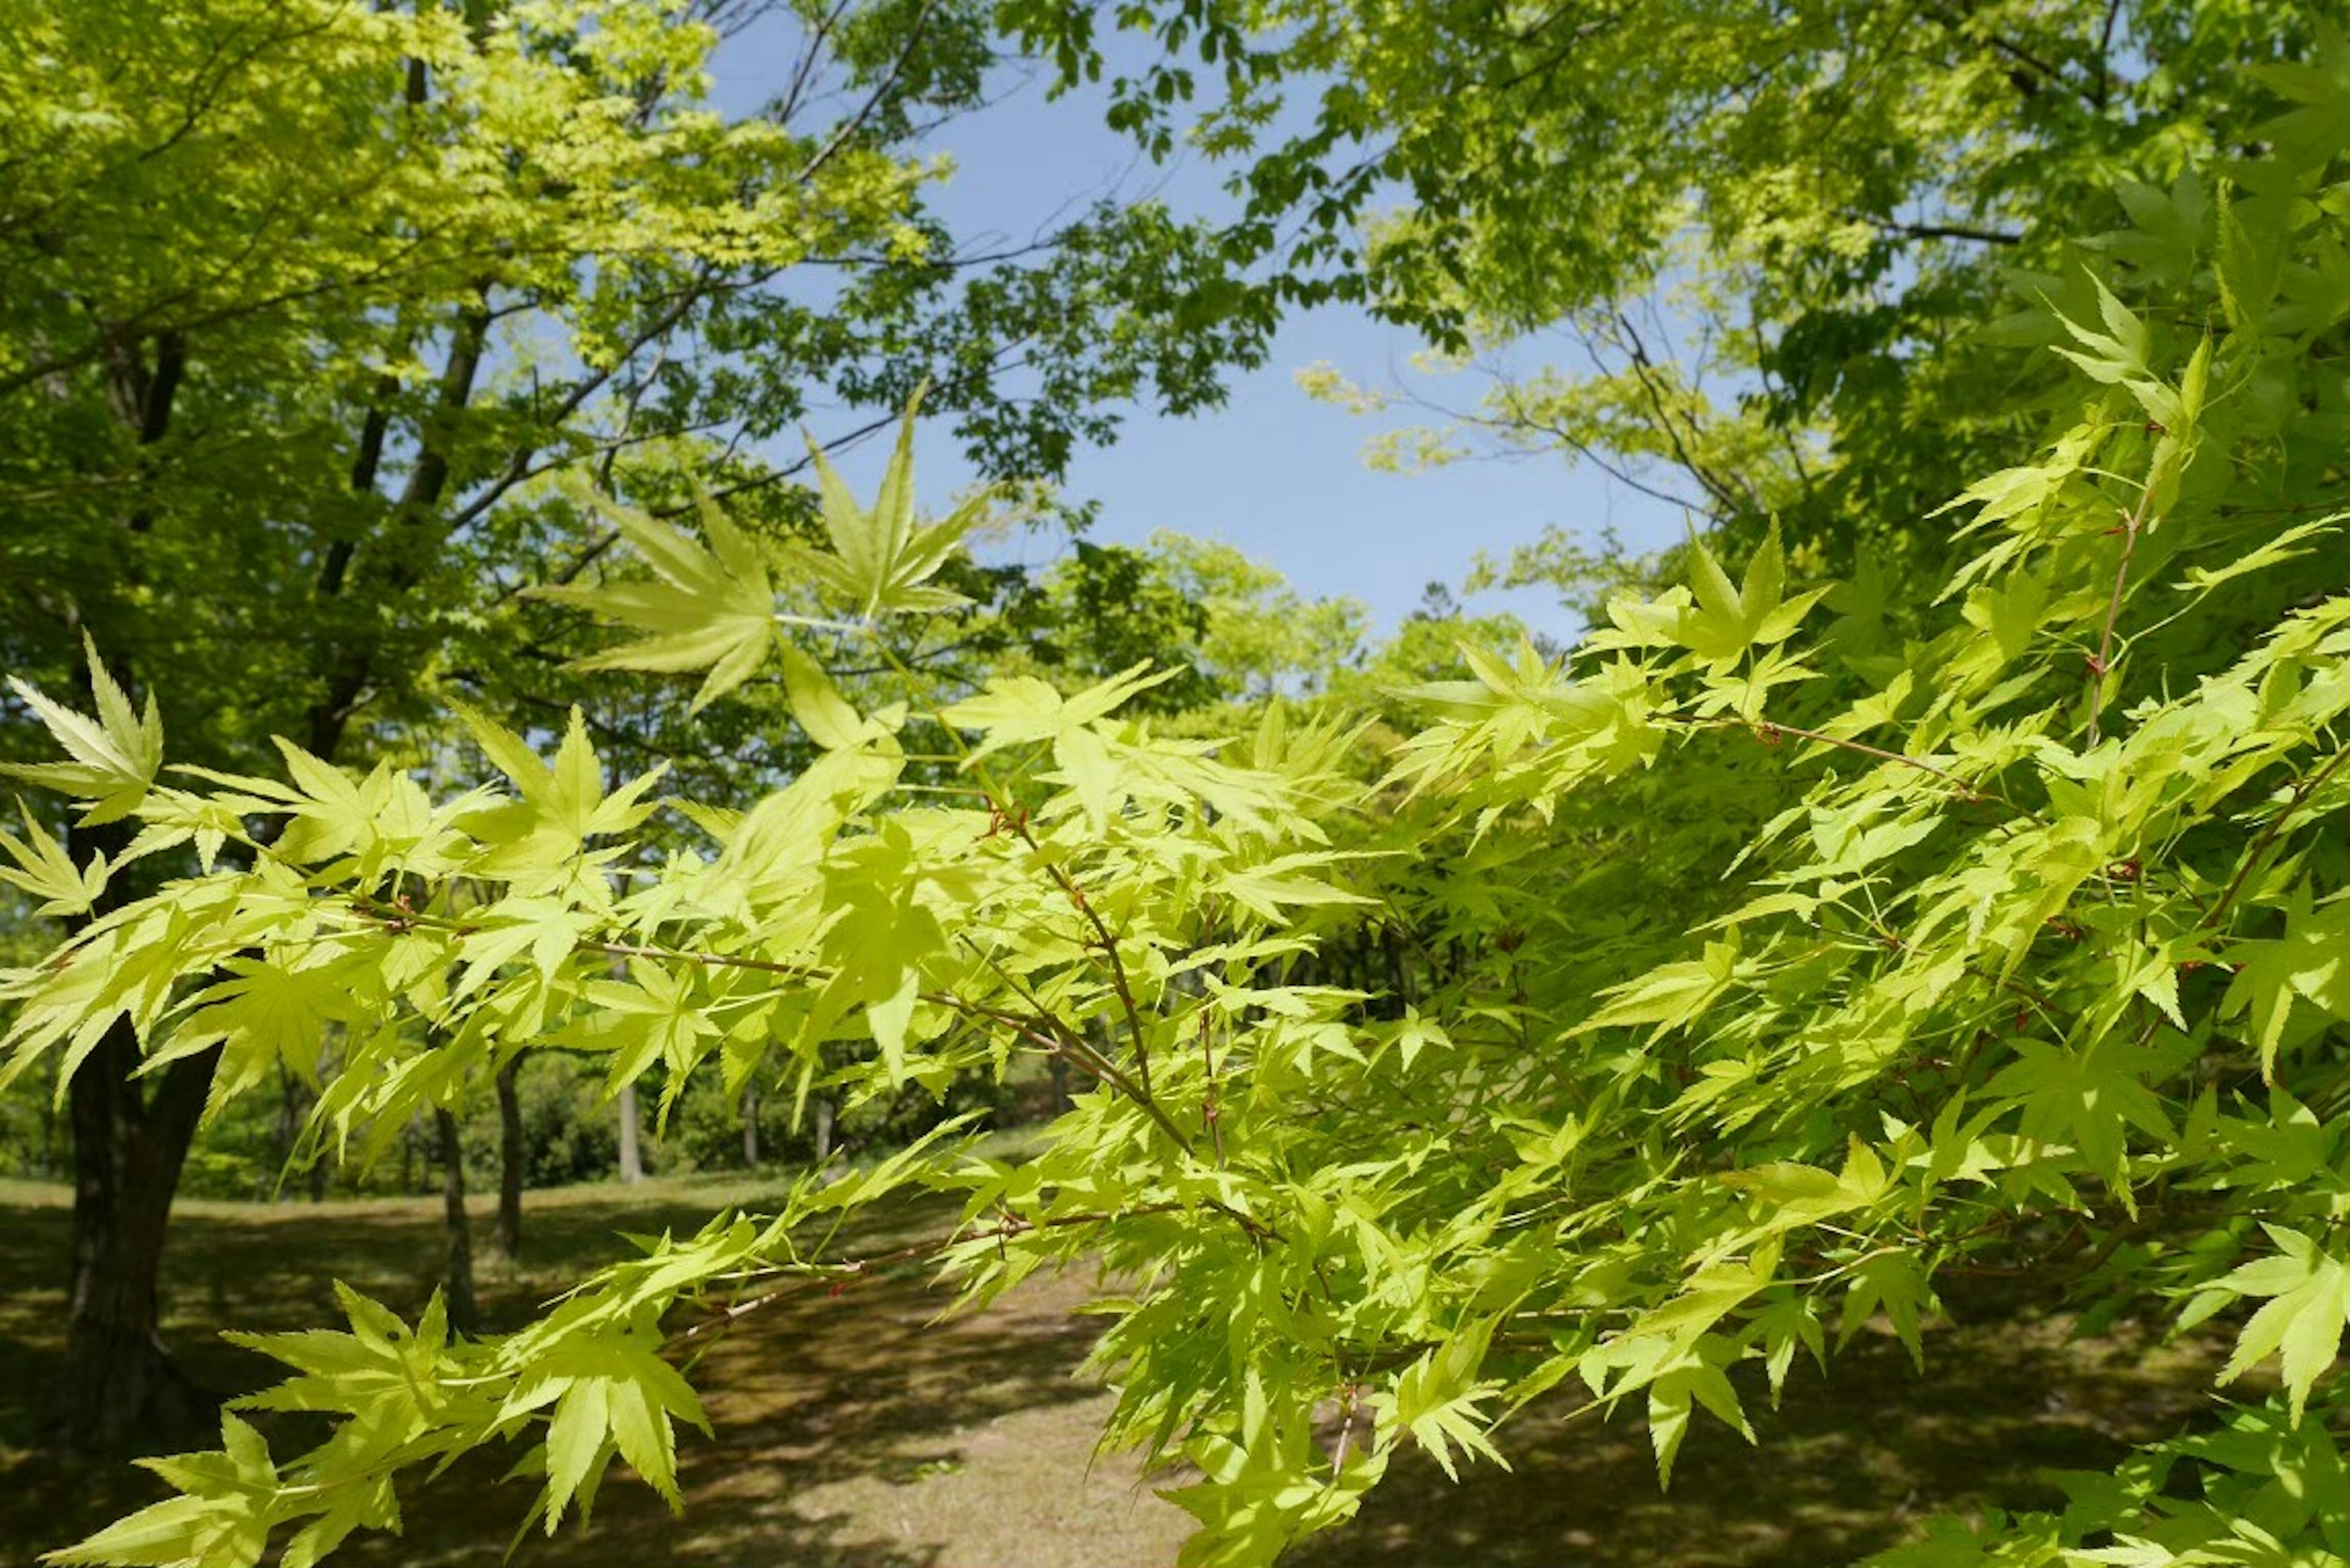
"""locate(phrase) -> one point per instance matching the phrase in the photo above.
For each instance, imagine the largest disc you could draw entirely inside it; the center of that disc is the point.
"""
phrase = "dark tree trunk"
(457, 1270)
(121, 1388)
(513, 1158)
(750, 1126)
(290, 1106)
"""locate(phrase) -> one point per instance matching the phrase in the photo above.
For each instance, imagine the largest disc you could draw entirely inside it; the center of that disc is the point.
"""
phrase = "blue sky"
(1273, 473)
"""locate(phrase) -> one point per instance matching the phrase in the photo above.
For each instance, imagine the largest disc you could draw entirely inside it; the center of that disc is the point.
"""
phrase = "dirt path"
(857, 1432)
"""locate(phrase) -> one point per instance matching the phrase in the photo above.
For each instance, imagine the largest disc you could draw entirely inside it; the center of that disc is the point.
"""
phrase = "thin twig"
(2102, 665)
(2302, 792)
(1769, 730)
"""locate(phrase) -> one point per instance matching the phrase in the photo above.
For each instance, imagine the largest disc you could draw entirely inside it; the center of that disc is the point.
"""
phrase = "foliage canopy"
(1657, 1019)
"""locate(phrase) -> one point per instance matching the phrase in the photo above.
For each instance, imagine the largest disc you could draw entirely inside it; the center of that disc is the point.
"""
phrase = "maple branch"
(1769, 732)
(804, 1275)
(2101, 665)
(1108, 945)
(2302, 792)
(1044, 1029)
(1067, 1043)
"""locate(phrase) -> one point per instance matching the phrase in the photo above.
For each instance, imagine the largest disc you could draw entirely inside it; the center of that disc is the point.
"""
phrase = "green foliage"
(1655, 1019)
(310, 307)
(1738, 255)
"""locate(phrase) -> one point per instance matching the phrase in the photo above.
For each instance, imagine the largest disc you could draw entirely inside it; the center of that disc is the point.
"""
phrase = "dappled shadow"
(858, 1431)
(855, 1429)
(1846, 1466)
(264, 1267)
(833, 1416)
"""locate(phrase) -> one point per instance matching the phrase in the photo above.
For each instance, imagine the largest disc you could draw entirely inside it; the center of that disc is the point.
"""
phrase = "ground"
(858, 1432)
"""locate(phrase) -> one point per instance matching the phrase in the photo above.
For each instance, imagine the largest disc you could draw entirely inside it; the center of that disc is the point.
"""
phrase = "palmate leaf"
(611, 1396)
(1679, 1373)
(657, 1017)
(1258, 1494)
(115, 756)
(1726, 620)
(268, 1013)
(44, 869)
(2302, 1320)
(2305, 964)
(563, 802)
(881, 557)
(1021, 708)
(1437, 1400)
(220, 1520)
(710, 609)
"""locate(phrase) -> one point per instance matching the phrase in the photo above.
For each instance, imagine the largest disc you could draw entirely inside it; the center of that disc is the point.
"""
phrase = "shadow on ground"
(853, 1430)
(1846, 1466)
(857, 1432)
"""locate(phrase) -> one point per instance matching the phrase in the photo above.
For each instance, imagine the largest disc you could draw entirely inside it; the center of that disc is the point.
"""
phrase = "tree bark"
(632, 1160)
(824, 1114)
(289, 1129)
(409, 542)
(457, 1268)
(121, 1387)
(750, 1126)
(512, 1159)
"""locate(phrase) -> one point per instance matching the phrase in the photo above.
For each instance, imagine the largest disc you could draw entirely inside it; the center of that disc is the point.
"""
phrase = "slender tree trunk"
(121, 1387)
(824, 1114)
(750, 1126)
(290, 1107)
(131, 1135)
(632, 1160)
(513, 1158)
(407, 546)
(457, 1270)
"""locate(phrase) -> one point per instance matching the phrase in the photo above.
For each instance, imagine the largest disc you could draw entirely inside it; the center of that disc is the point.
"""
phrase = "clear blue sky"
(1272, 473)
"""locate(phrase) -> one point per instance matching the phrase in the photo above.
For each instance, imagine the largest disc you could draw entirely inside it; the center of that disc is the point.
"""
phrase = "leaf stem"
(1104, 938)
(1769, 732)
(2102, 665)
(2253, 857)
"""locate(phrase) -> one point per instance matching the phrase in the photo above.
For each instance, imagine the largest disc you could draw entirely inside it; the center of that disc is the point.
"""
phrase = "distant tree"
(305, 307)
(1786, 949)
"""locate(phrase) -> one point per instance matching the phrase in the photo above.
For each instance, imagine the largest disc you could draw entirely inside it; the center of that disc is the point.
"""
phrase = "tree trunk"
(632, 1160)
(823, 1113)
(512, 1159)
(290, 1107)
(750, 1126)
(457, 1270)
(121, 1387)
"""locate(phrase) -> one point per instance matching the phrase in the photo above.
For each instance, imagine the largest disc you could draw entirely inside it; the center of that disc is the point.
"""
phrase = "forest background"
(1970, 908)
